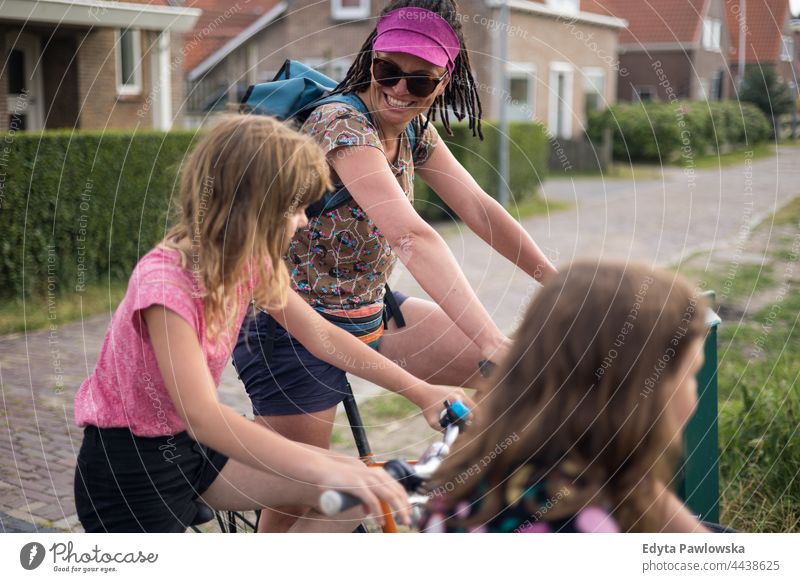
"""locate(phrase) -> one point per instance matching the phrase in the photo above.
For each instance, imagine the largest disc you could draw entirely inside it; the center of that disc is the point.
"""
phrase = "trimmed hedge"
(664, 132)
(81, 208)
(529, 151)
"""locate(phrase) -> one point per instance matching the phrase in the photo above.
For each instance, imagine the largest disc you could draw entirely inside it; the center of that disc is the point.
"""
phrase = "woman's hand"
(371, 485)
(497, 350)
(430, 400)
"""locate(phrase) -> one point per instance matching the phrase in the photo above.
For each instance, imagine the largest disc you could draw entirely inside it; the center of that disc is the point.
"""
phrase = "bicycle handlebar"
(411, 477)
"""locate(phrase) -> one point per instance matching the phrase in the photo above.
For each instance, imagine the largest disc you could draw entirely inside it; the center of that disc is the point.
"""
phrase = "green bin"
(698, 483)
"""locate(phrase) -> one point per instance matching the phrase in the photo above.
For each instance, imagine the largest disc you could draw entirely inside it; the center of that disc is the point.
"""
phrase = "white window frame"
(557, 68)
(340, 12)
(136, 87)
(341, 64)
(787, 48)
(527, 71)
(588, 72)
(712, 34)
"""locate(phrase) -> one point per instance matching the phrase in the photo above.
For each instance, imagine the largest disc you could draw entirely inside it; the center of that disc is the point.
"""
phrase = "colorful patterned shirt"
(341, 261)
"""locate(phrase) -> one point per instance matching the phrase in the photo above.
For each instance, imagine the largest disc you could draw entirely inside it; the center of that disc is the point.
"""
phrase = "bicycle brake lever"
(454, 413)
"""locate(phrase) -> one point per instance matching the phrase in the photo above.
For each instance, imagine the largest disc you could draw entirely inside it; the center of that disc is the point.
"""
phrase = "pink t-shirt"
(126, 388)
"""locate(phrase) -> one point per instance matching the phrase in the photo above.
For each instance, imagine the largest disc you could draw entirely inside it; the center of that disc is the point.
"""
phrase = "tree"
(762, 87)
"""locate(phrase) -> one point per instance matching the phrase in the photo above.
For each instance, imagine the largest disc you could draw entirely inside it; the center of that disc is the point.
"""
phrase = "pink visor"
(419, 32)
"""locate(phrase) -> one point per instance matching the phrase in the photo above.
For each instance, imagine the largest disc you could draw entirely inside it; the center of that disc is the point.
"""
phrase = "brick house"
(769, 37)
(673, 49)
(562, 54)
(90, 64)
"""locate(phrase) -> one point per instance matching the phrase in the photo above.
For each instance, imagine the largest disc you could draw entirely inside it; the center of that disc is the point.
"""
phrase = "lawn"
(759, 365)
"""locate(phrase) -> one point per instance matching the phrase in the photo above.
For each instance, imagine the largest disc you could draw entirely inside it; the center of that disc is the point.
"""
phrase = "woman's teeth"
(395, 103)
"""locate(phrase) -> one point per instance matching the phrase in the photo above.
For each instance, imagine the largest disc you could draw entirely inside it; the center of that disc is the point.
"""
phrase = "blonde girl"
(157, 441)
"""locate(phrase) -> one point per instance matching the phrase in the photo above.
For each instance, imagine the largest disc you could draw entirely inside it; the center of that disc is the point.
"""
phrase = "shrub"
(529, 151)
(663, 132)
(762, 87)
(81, 208)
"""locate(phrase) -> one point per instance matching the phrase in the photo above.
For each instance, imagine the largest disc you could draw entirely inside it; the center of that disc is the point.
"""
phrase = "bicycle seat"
(204, 514)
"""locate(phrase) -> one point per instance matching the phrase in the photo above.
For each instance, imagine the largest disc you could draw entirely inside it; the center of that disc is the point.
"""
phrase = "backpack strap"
(331, 200)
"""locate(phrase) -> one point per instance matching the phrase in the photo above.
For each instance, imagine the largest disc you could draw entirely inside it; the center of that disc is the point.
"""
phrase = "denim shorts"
(280, 375)
(127, 483)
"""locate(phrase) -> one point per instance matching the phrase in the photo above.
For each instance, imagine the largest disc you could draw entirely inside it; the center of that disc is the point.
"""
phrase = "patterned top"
(341, 260)
(528, 508)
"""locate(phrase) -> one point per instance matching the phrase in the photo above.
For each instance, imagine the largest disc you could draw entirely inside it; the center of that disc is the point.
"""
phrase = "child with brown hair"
(581, 428)
(157, 440)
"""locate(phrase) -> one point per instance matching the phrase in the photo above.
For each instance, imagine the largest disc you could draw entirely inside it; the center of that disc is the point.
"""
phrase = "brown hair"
(238, 187)
(583, 394)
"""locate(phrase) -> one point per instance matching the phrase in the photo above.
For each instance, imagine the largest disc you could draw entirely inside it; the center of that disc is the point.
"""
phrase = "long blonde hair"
(585, 391)
(239, 186)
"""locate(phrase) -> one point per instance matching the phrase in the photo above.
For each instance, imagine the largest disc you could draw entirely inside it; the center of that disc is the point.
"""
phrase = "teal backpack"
(293, 94)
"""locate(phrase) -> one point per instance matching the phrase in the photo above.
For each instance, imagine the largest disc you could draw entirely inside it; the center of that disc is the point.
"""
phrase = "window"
(715, 93)
(129, 64)
(593, 87)
(521, 91)
(560, 111)
(712, 34)
(349, 9)
(644, 93)
(787, 47)
(336, 69)
(16, 72)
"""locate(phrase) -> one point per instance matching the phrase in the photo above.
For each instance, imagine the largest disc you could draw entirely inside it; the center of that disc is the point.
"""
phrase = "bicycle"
(455, 417)
(411, 474)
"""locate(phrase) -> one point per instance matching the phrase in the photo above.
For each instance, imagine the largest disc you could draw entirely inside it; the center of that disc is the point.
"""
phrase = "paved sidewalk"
(659, 220)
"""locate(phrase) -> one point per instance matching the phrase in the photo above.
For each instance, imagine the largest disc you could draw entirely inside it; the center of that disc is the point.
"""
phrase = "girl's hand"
(370, 485)
(430, 400)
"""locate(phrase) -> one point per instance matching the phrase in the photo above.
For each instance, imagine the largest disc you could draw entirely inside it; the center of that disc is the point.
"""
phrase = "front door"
(24, 98)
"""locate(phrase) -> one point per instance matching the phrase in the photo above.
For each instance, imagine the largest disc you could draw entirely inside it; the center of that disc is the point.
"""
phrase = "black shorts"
(126, 483)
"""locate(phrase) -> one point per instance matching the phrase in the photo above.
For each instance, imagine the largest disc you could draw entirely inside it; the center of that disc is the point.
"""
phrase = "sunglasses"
(388, 74)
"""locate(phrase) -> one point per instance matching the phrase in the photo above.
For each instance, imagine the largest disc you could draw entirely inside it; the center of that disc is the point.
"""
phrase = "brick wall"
(542, 41)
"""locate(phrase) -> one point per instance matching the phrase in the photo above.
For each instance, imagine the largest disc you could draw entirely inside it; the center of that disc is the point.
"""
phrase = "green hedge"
(81, 208)
(664, 132)
(529, 151)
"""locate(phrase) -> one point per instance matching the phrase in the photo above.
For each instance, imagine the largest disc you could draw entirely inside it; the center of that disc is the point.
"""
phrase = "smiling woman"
(411, 69)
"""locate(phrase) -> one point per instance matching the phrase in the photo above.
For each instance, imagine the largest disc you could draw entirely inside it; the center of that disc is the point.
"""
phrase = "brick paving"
(659, 220)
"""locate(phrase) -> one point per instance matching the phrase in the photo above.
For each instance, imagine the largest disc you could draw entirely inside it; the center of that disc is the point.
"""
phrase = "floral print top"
(528, 508)
(341, 260)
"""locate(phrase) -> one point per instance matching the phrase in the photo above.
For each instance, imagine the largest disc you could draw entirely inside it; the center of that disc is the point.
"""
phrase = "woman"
(414, 64)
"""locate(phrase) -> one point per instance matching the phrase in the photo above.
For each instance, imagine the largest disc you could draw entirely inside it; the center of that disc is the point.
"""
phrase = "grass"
(733, 281)
(386, 407)
(762, 150)
(643, 171)
(17, 315)
(535, 206)
(617, 170)
(759, 386)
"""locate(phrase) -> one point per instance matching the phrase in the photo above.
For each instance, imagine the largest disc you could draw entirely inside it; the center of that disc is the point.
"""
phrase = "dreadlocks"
(460, 96)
